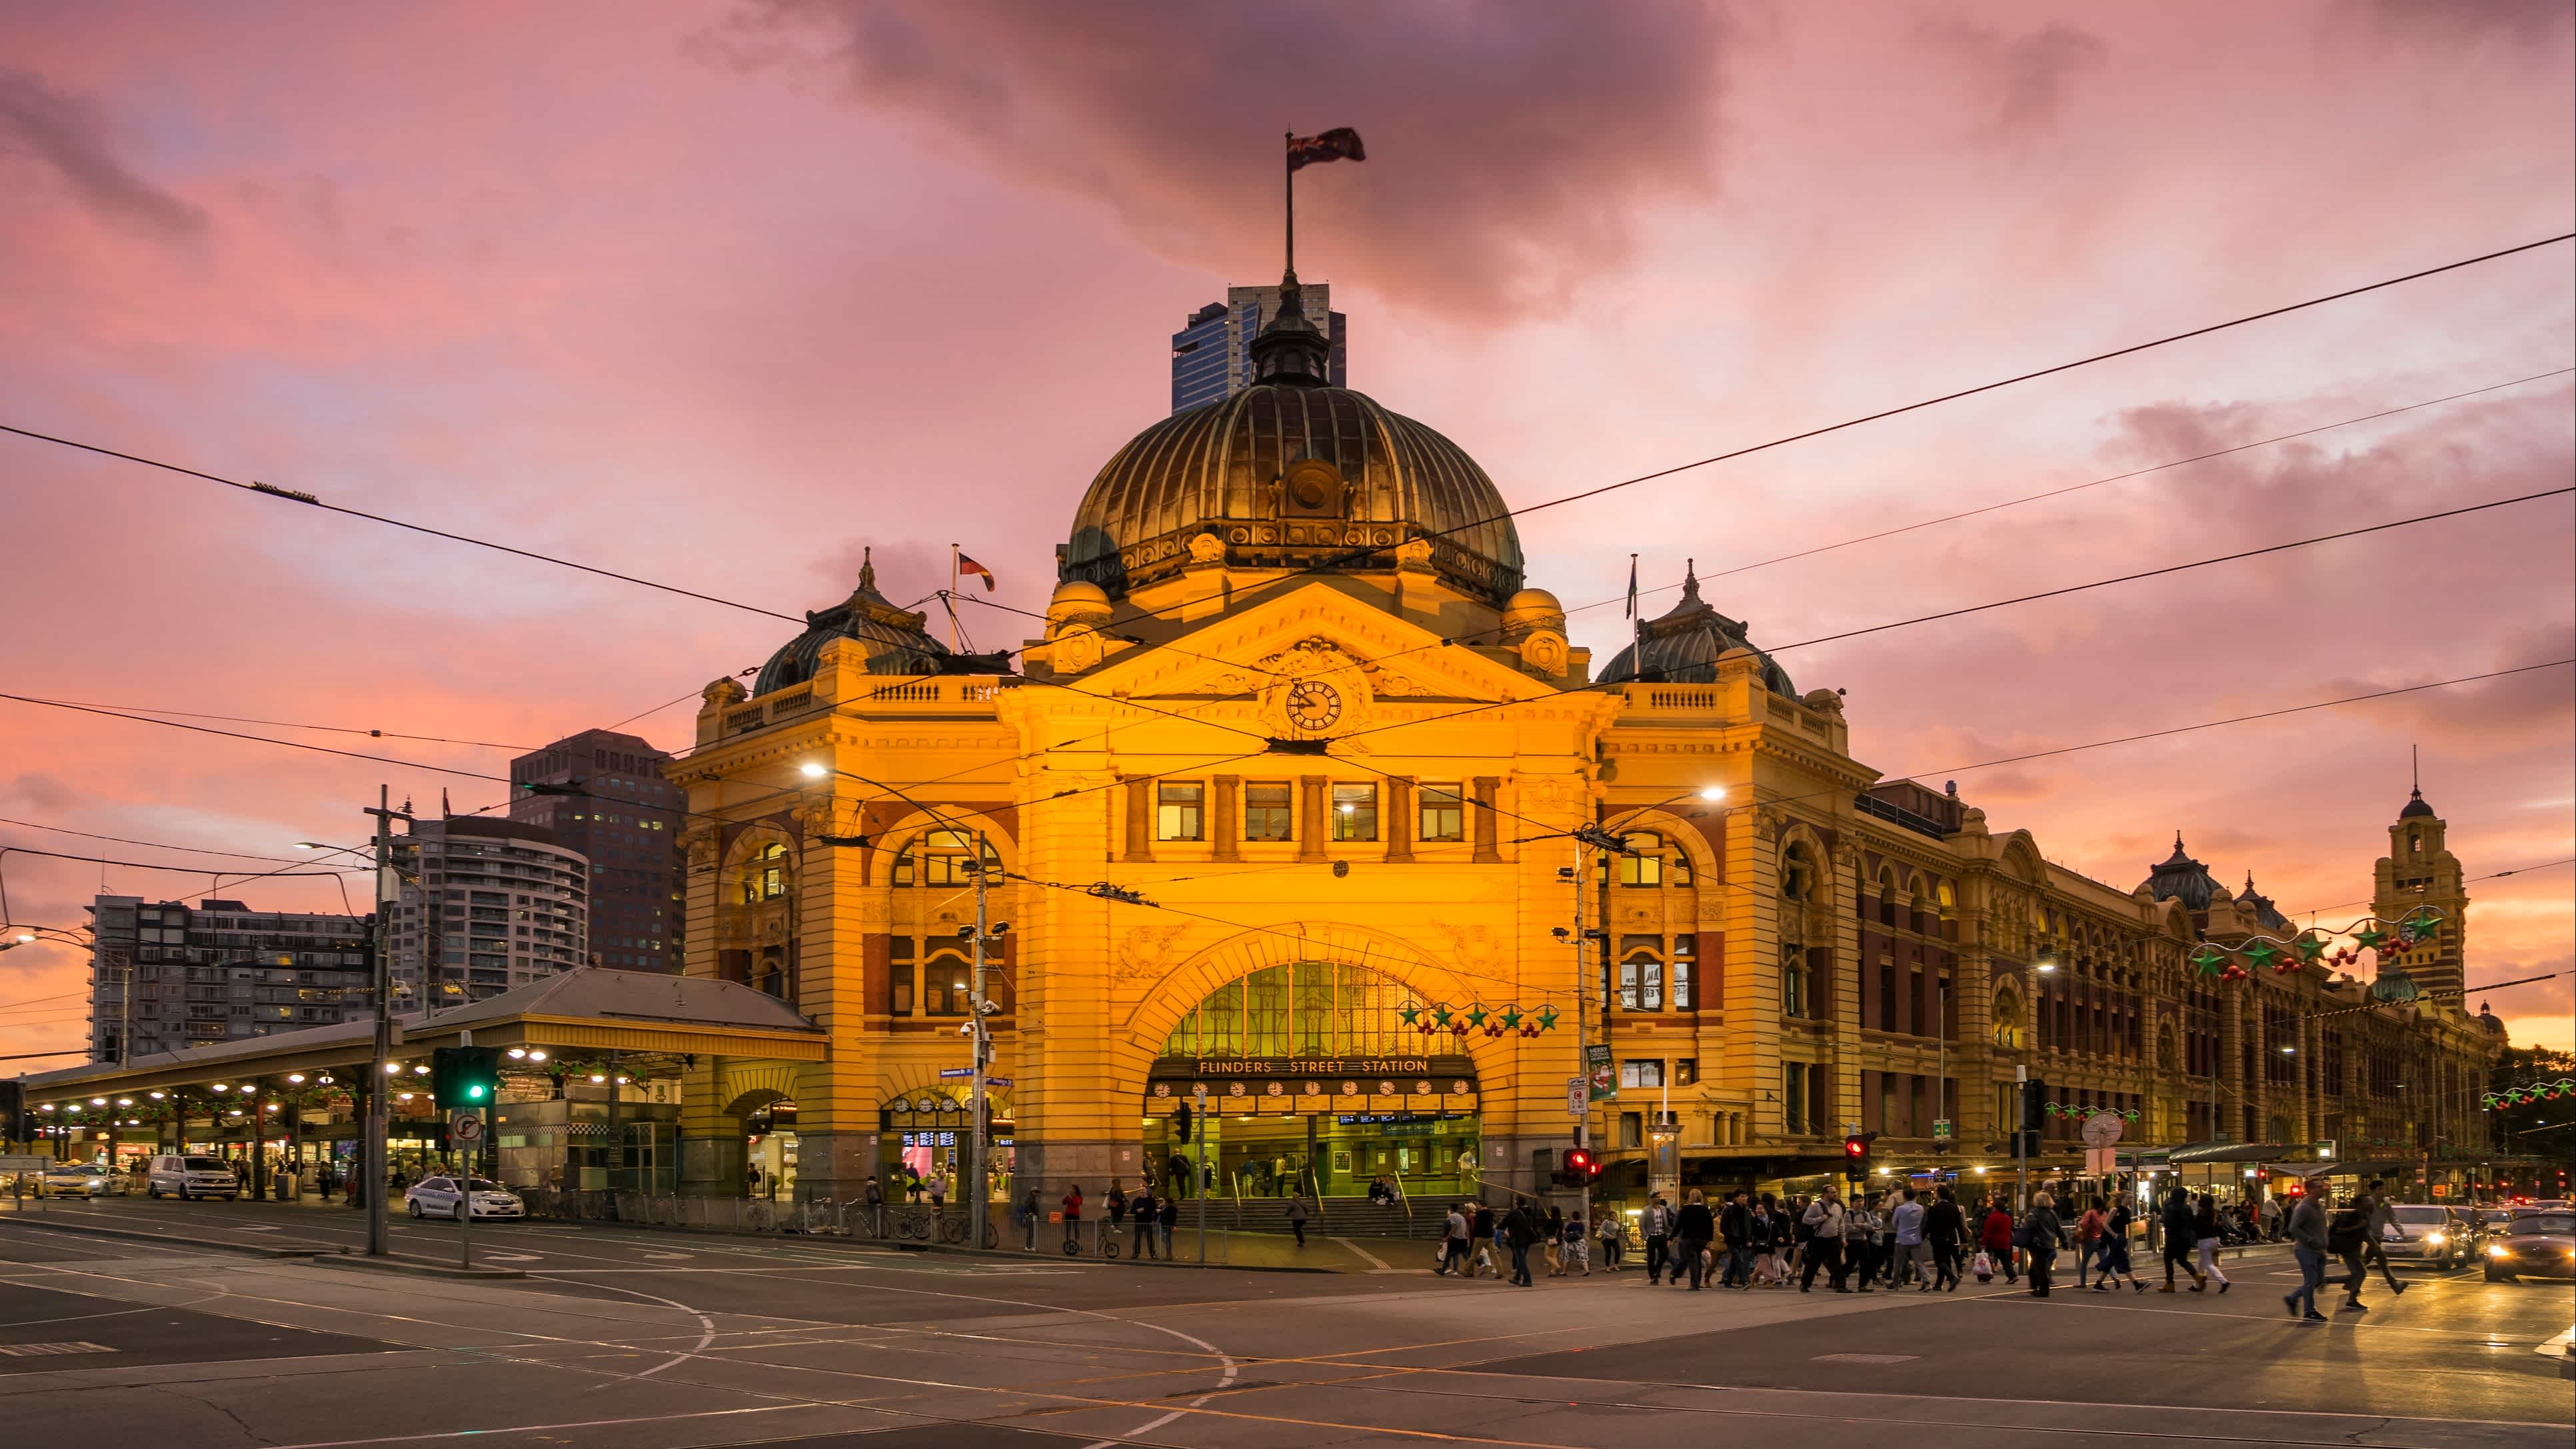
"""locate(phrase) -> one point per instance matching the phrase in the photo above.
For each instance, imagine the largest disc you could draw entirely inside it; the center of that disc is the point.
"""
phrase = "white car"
(2425, 1233)
(190, 1177)
(436, 1197)
(82, 1179)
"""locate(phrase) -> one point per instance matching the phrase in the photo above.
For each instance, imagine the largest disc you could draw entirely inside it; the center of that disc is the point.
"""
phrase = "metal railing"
(899, 1223)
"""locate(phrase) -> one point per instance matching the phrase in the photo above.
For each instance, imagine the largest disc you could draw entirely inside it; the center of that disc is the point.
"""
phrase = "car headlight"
(2435, 1239)
(2498, 1250)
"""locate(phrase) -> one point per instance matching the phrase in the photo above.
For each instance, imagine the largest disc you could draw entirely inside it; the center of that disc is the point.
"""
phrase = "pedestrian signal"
(1181, 1123)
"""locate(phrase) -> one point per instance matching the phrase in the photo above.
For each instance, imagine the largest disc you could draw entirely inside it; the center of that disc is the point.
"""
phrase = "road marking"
(37, 1350)
(670, 1255)
(1379, 1263)
(1865, 1358)
(513, 1257)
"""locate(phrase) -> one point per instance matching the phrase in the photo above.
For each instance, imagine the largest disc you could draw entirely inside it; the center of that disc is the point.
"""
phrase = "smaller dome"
(2264, 909)
(2182, 878)
(1683, 647)
(1077, 601)
(893, 638)
(2415, 808)
(1532, 609)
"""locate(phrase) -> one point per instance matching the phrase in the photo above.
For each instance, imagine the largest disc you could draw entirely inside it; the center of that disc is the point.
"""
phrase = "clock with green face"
(1313, 705)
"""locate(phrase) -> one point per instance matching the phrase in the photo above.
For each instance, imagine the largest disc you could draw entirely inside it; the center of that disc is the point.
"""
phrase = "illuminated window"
(1177, 811)
(1266, 812)
(1355, 812)
(1646, 866)
(1444, 812)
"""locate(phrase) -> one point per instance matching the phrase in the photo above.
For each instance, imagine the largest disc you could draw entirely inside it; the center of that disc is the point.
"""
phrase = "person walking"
(1995, 1240)
(1823, 1221)
(1800, 1231)
(2269, 1217)
(1297, 1215)
(1658, 1224)
(1520, 1229)
(2308, 1235)
(1913, 1254)
(1480, 1242)
(1453, 1242)
(1141, 1244)
(2344, 1235)
(1695, 1229)
(1576, 1249)
(2088, 1238)
(2115, 1249)
(1946, 1229)
(1767, 1271)
(2040, 1230)
(1735, 1228)
(2182, 1235)
(2205, 1237)
(1860, 1243)
(1612, 1230)
(2374, 1235)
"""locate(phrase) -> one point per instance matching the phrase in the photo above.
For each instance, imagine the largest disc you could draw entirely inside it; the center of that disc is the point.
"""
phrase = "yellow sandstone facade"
(1294, 704)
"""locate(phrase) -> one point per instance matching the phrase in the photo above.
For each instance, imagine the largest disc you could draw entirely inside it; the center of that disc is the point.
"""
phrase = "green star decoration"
(2311, 949)
(2262, 954)
(2207, 961)
(1547, 1018)
(1476, 1014)
(1410, 1014)
(2370, 937)
(1440, 1015)
(1511, 1018)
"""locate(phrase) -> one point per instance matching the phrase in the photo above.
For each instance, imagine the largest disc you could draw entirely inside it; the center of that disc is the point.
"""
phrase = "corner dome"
(1683, 646)
(2415, 808)
(2180, 878)
(893, 638)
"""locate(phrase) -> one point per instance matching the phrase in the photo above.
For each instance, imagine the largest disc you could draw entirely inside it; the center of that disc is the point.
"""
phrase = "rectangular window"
(1355, 812)
(944, 986)
(1266, 812)
(1444, 812)
(1177, 811)
(1632, 1129)
(1686, 1071)
(1793, 981)
(1793, 1096)
(1641, 1072)
(1685, 972)
(1886, 996)
(899, 980)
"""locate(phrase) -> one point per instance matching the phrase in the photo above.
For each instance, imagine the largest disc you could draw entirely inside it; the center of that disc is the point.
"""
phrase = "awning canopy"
(587, 1009)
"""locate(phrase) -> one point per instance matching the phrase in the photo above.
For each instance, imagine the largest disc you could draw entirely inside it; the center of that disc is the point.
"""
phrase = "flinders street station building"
(1305, 798)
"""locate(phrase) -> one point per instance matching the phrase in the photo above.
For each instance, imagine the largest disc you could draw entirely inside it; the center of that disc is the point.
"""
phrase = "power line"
(155, 844)
(295, 725)
(2472, 880)
(262, 739)
(179, 869)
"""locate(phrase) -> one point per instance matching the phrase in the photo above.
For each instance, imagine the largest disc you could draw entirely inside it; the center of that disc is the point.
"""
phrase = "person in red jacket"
(1994, 1235)
(1073, 1217)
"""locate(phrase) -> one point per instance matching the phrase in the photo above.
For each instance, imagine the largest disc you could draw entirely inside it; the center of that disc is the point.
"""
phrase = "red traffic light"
(1855, 1147)
(1581, 1160)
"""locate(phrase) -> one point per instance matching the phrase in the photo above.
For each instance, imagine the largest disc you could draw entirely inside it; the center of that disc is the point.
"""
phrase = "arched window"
(765, 875)
(1304, 1009)
(1644, 866)
(941, 858)
(929, 968)
(2008, 1025)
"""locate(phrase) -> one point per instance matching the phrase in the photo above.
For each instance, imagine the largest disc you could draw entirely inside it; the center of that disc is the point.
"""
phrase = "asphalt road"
(645, 1340)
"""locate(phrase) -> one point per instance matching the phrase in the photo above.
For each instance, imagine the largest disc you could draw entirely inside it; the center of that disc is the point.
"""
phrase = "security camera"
(966, 1028)
(965, 933)
(1001, 928)
(991, 1008)
(1559, 932)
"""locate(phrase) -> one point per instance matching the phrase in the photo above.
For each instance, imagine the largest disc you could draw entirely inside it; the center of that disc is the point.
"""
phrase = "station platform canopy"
(587, 1010)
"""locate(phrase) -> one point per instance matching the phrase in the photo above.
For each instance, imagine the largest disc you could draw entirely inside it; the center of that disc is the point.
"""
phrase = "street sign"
(465, 1127)
(951, 1073)
(1574, 1100)
(2102, 1129)
(1941, 1129)
(997, 1081)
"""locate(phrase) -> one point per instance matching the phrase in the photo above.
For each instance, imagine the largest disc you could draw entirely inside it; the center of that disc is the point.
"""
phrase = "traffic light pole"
(979, 1207)
(371, 1159)
(2021, 1141)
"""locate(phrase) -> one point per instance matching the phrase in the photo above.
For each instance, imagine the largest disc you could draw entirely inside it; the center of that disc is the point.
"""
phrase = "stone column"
(1140, 820)
(1314, 817)
(1225, 822)
(1488, 845)
(1396, 821)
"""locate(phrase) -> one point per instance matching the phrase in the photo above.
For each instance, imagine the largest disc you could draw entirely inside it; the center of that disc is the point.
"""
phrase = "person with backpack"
(2115, 1249)
(1520, 1229)
(1453, 1242)
(1658, 1225)
(1824, 1223)
(1946, 1229)
(2088, 1238)
(1913, 1255)
(2345, 1232)
(1695, 1228)
(1142, 1205)
(1860, 1241)
(2308, 1242)
(2040, 1233)
(2182, 1235)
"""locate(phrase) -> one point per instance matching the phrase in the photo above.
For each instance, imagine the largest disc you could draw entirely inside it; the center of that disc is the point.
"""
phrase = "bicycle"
(912, 1227)
(952, 1230)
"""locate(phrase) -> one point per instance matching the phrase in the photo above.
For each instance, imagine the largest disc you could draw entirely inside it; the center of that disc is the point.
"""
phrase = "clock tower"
(2418, 872)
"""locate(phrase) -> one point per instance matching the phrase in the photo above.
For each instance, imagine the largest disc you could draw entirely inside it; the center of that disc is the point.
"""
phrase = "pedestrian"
(1735, 1227)
(1297, 1215)
(2374, 1235)
(2182, 1235)
(2308, 1236)
(2115, 1249)
(1658, 1224)
(1552, 1232)
(1480, 1242)
(1520, 1229)
(1453, 1243)
(751, 1180)
(1793, 1248)
(1995, 1240)
(1883, 1260)
(2205, 1238)
(1167, 1213)
(2040, 1230)
(1823, 1221)
(938, 1193)
(1028, 1215)
(1860, 1242)
(1766, 1244)
(2269, 1216)
(1612, 1230)
(2088, 1237)
(1913, 1253)
(1116, 1204)
(1693, 1229)
(1576, 1249)
(2344, 1234)
(1141, 1244)
(1945, 1228)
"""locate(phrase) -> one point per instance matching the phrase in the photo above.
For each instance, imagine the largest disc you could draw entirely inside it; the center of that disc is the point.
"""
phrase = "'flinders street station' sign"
(1279, 1082)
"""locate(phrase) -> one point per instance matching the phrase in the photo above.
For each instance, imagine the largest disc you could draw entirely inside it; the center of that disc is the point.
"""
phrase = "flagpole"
(1288, 172)
(952, 599)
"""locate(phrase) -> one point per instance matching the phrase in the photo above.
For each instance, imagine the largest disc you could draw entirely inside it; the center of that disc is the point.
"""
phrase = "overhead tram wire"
(1361, 554)
(285, 724)
(2340, 534)
(154, 844)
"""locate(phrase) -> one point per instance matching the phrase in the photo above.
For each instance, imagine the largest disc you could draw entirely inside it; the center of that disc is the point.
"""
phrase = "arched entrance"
(768, 1120)
(1318, 1077)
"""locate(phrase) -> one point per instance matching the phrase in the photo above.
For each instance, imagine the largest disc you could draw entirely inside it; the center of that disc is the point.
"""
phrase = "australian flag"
(1339, 144)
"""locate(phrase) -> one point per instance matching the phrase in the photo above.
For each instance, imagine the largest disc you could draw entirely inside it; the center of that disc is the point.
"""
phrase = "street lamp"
(2045, 963)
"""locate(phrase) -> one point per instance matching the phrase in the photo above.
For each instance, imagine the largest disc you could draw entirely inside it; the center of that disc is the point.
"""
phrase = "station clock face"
(1313, 705)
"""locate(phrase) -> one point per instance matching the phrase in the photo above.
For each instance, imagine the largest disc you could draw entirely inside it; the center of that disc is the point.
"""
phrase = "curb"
(908, 1246)
(417, 1267)
(139, 1235)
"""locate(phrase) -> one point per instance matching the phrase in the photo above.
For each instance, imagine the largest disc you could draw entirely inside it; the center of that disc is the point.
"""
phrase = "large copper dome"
(1245, 469)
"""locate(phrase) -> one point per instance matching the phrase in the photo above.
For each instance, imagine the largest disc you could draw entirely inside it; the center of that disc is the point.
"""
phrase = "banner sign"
(1601, 1077)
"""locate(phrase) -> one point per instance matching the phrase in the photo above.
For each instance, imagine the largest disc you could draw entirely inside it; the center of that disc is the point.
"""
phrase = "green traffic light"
(475, 1091)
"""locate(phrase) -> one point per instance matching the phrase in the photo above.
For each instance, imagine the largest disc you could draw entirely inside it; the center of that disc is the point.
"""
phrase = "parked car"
(2425, 1233)
(2533, 1245)
(190, 1177)
(436, 1197)
(80, 1179)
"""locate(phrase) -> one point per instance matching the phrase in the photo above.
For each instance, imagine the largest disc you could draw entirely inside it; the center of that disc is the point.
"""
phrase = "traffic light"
(465, 1077)
(1856, 1155)
(13, 1112)
(2034, 1106)
(1581, 1168)
(1181, 1122)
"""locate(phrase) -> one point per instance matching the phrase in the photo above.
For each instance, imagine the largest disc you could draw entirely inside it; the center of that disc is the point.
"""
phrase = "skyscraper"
(486, 905)
(627, 823)
(1212, 353)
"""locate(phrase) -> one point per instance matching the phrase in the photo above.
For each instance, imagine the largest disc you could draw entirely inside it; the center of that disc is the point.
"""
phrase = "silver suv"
(190, 1177)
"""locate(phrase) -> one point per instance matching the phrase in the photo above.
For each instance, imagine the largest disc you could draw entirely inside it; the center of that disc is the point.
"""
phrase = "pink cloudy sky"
(719, 296)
